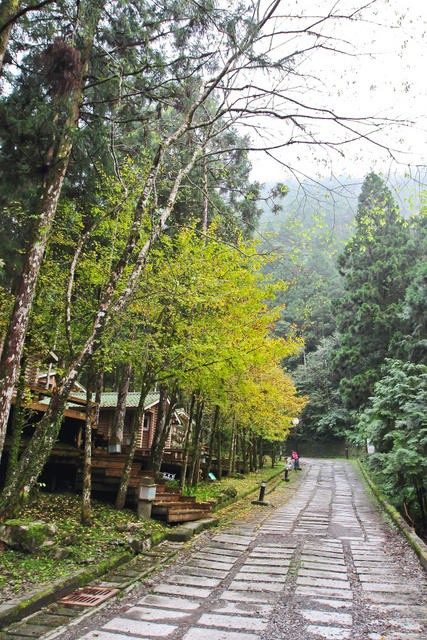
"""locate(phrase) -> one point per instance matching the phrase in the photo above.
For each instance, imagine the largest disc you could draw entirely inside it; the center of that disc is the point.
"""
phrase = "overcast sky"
(387, 78)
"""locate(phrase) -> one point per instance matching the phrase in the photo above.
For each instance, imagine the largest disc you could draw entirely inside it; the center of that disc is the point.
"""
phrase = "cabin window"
(147, 422)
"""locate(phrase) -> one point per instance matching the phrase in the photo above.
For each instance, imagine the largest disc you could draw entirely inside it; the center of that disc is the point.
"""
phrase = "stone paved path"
(322, 565)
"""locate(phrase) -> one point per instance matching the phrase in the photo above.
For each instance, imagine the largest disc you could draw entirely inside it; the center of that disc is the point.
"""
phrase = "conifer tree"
(376, 266)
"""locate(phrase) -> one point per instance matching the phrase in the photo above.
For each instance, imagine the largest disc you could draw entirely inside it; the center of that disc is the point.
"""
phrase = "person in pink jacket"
(295, 459)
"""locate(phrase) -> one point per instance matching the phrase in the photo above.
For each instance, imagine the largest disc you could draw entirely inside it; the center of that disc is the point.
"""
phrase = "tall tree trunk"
(45, 210)
(120, 412)
(163, 425)
(86, 514)
(8, 9)
(205, 195)
(17, 424)
(255, 452)
(260, 453)
(231, 450)
(186, 447)
(127, 468)
(195, 444)
(212, 440)
(99, 378)
(244, 454)
(236, 451)
(273, 454)
(420, 497)
(219, 452)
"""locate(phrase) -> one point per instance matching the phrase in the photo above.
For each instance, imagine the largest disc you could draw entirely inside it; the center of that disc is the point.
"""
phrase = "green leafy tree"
(376, 265)
(324, 417)
(396, 423)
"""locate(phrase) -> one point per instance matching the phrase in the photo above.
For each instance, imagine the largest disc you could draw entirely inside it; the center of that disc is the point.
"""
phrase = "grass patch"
(211, 491)
(21, 572)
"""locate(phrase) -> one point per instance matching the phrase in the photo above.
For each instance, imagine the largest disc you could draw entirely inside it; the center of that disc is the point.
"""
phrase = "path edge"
(416, 543)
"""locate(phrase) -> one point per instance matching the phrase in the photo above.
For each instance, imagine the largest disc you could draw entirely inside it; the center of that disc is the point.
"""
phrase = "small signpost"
(261, 500)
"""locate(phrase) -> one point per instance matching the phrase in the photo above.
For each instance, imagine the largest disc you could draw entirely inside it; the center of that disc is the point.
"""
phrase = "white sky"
(387, 78)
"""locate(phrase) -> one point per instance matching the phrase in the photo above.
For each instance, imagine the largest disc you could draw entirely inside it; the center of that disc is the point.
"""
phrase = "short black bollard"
(346, 451)
(262, 491)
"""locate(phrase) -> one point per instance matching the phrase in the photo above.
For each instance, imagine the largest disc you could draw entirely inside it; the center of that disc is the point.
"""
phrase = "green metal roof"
(109, 398)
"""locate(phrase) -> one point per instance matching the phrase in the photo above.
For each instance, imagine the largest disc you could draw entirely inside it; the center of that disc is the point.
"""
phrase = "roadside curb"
(416, 543)
(190, 529)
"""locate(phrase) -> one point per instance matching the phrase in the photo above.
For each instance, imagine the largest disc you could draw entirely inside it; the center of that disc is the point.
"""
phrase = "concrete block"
(209, 523)
(179, 534)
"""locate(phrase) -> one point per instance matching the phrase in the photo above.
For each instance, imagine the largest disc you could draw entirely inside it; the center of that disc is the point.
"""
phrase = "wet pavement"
(321, 563)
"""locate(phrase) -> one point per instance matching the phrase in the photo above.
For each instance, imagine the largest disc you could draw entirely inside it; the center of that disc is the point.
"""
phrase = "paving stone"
(246, 596)
(215, 557)
(241, 540)
(388, 587)
(318, 550)
(196, 633)
(335, 604)
(156, 614)
(268, 562)
(260, 577)
(193, 581)
(104, 635)
(328, 593)
(323, 582)
(233, 622)
(247, 608)
(229, 547)
(202, 572)
(322, 574)
(315, 558)
(272, 551)
(222, 549)
(169, 602)
(320, 566)
(141, 627)
(380, 568)
(331, 633)
(179, 590)
(368, 577)
(257, 586)
(327, 618)
(208, 564)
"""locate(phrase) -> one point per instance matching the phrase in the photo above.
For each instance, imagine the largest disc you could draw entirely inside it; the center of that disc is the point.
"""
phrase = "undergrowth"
(21, 571)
